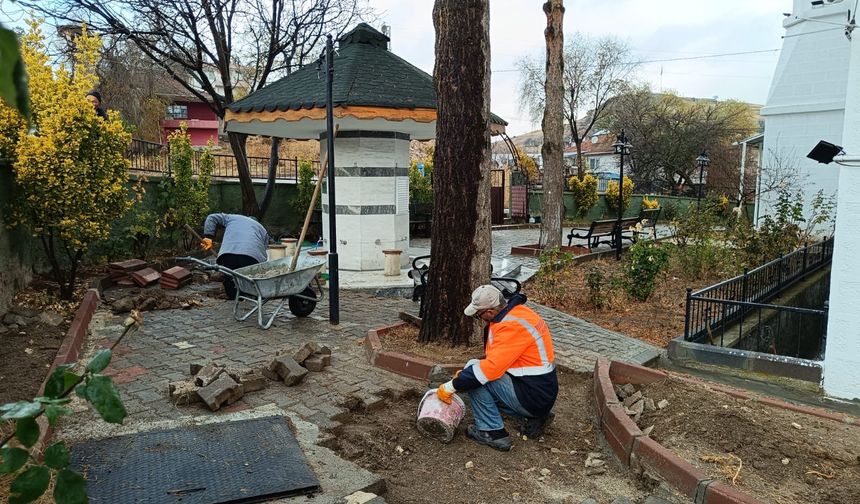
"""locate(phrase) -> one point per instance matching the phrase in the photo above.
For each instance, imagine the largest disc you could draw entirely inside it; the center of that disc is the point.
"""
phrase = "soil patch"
(123, 300)
(404, 339)
(657, 320)
(418, 469)
(784, 457)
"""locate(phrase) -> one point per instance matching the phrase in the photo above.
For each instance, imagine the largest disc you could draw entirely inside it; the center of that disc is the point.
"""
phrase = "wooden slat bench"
(600, 230)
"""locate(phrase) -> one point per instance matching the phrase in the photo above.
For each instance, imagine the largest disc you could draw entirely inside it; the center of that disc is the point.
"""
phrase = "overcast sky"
(655, 29)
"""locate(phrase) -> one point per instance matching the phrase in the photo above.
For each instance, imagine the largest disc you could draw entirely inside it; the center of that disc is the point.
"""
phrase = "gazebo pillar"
(372, 193)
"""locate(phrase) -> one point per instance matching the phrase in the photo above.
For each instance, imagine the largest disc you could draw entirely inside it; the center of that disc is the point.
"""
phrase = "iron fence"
(150, 157)
(711, 311)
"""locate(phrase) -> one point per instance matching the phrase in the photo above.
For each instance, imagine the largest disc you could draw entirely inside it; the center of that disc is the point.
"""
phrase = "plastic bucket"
(437, 419)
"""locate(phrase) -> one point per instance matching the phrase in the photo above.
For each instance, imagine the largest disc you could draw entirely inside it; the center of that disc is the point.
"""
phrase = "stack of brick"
(215, 385)
(120, 272)
(145, 277)
(292, 369)
(175, 278)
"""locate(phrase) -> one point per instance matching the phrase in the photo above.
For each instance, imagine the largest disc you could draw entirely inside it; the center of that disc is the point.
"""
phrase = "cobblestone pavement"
(146, 362)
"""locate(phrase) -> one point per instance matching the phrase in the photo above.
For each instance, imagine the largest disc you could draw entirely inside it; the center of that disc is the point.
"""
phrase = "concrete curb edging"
(68, 353)
(410, 366)
(641, 453)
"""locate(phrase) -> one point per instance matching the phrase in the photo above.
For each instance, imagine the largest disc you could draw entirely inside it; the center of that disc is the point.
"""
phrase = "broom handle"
(198, 238)
(312, 205)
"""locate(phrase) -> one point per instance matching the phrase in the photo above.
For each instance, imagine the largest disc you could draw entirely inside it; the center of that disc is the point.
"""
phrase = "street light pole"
(334, 281)
(703, 160)
(622, 146)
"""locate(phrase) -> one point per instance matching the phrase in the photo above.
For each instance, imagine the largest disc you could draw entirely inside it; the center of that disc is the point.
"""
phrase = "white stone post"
(842, 355)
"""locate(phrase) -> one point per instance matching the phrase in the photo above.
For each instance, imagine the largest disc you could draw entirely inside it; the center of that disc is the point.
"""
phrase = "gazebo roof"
(369, 81)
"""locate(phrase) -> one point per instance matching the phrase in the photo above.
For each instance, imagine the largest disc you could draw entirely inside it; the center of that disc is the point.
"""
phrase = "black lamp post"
(703, 160)
(334, 283)
(622, 147)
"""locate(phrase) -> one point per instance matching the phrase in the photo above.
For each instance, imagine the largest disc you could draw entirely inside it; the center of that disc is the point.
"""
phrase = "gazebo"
(381, 102)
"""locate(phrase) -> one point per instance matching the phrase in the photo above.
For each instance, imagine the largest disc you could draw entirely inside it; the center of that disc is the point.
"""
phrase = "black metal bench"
(648, 217)
(421, 267)
(604, 231)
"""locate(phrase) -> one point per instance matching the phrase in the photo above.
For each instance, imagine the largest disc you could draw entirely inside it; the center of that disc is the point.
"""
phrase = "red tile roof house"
(182, 106)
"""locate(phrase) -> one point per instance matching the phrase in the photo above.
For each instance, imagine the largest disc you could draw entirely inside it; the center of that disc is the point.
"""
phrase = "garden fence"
(154, 158)
(712, 310)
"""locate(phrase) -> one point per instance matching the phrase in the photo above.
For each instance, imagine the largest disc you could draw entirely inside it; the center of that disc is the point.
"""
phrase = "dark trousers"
(233, 261)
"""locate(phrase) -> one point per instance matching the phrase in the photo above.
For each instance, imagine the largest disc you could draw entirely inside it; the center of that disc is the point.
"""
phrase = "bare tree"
(460, 239)
(669, 132)
(595, 71)
(241, 40)
(552, 150)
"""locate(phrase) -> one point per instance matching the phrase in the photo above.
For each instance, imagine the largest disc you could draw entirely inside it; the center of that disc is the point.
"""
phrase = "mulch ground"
(775, 455)
(657, 320)
(404, 339)
(421, 470)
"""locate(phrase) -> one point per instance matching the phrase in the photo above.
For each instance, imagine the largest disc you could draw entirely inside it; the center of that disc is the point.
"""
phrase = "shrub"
(649, 204)
(612, 195)
(552, 280)
(596, 280)
(644, 262)
(305, 189)
(701, 251)
(584, 193)
(70, 167)
(188, 197)
(670, 211)
(421, 186)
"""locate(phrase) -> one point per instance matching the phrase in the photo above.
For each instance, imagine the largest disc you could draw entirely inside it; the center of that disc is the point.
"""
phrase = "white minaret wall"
(807, 97)
(842, 355)
(372, 193)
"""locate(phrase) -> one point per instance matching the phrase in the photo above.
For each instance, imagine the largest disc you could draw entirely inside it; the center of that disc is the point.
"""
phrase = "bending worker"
(517, 377)
(245, 243)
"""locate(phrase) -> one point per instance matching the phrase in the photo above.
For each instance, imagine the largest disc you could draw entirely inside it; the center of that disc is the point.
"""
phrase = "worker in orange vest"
(516, 377)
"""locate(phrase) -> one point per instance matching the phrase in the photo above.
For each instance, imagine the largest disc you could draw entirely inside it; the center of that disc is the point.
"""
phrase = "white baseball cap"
(484, 298)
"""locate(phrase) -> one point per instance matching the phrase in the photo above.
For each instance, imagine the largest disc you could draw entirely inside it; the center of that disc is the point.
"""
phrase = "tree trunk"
(270, 179)
(249, 197)
(460, 241)
(552, 150)
(580, 163)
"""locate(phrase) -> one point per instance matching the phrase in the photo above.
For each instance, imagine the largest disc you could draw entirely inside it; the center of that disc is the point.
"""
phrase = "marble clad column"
(372, 193)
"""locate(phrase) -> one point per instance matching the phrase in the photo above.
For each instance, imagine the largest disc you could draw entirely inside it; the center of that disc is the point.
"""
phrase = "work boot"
(485, 438)
(534, 428)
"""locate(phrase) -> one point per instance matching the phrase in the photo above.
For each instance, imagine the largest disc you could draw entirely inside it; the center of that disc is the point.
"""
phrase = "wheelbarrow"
(272, 281)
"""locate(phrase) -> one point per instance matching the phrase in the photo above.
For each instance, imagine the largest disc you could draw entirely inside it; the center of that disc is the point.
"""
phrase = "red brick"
(617, 447)
(604, 393)
(406, 365)
(616, 421)
(372, 345)
(146, 276)
(739, 394)
(722, 493)
(622, 372)
(126, 375)
(660, 462)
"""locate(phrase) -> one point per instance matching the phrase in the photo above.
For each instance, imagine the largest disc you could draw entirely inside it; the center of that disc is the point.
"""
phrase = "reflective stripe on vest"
(546, 366)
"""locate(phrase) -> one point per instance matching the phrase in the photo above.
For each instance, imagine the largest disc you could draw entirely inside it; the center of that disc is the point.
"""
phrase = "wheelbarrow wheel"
(302, 307)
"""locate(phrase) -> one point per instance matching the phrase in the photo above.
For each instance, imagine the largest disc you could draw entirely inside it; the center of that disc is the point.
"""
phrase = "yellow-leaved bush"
(70, 168)
(649, 204)
(612, 195)
(584, 192)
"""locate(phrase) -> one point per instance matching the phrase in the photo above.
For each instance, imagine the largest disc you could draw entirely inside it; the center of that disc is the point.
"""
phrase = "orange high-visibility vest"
(520, 345)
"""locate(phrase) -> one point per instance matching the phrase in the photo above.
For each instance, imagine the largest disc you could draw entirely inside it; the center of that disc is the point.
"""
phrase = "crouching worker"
(245, 243)
(517, 377)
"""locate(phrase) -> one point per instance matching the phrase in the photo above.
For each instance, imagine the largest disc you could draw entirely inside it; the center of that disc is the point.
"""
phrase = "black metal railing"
(154, 158)
(711, 311)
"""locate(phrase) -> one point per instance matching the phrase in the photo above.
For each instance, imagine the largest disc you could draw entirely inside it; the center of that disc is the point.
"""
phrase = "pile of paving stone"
(217, 385)
(136, 272)
(635, 403)
(292, 367)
